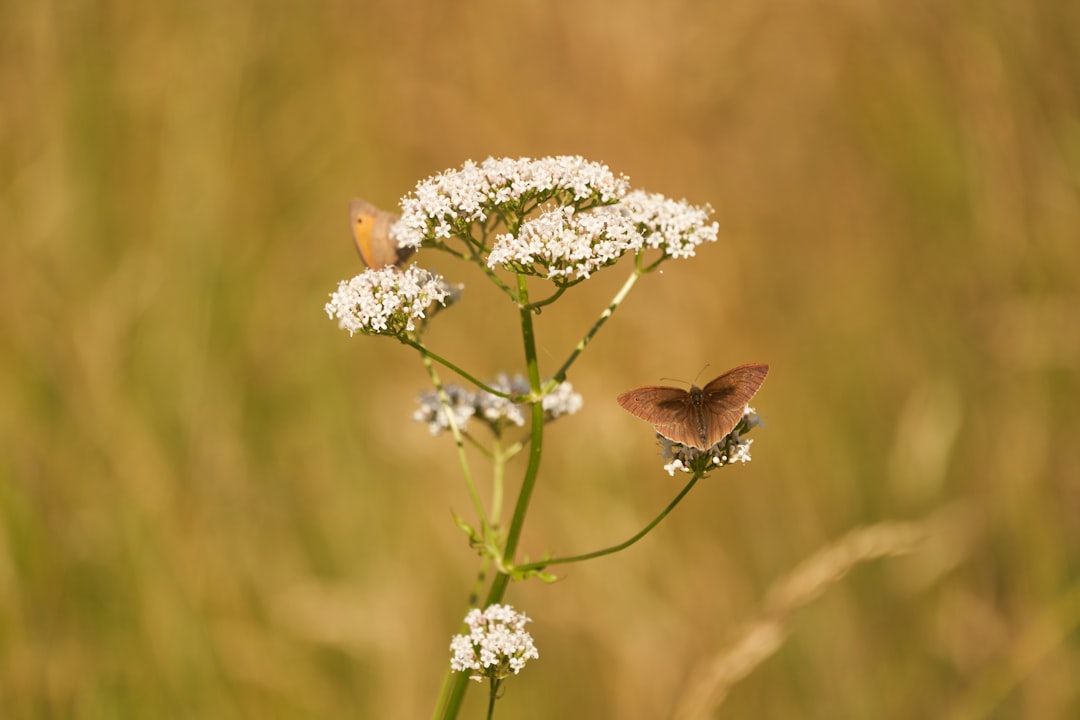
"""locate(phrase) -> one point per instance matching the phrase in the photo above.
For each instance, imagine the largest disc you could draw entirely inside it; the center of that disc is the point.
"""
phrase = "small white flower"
(497, 643)
(674, 465)
(741, 452)
(386, 301)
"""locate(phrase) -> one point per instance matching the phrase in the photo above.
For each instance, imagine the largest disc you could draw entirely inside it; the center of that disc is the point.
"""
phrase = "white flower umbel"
(564, 245)
(497, 643)
(387, 301)
(733, 448)
(434, 413)
(446, 205)
(673, 226)
(494, 410)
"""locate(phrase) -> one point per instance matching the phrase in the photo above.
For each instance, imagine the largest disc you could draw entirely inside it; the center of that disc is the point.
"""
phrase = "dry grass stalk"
(761, 638)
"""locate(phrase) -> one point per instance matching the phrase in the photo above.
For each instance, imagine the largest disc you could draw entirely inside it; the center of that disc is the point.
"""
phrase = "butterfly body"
(371, 233)
(698, 417)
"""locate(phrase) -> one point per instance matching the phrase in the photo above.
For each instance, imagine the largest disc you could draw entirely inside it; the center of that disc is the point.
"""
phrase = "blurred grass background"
(214, 503)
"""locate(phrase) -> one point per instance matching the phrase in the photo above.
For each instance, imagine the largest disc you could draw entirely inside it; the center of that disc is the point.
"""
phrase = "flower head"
(494, 410)
(446, 205)
(564, 217)
(732, 448)
(386, 301)
(497, 643)
(674, 226)
(461, 406)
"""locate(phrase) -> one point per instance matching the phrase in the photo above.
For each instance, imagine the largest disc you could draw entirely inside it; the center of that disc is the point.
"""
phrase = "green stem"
(540, 565)
(449, 708)
(474, 256)
(559, 376)
(536, 444)
(652, 266)
(426, 353)
(482, 264)
(498, 478)
(458, 441)
(477, 445)
(548, 300)
(493, 696)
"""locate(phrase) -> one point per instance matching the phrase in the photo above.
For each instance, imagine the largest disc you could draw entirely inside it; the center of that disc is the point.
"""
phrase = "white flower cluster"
(462, 406)
(674, 226)
(566, 244)
(561, 243)
(494, 410)
(733, 448)
(446, 204)
(497, 643)
(387, 301)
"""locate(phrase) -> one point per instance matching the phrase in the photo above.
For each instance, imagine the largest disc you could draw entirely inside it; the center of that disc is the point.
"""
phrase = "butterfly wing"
(371, 233)
(669, 409)
(725, 398)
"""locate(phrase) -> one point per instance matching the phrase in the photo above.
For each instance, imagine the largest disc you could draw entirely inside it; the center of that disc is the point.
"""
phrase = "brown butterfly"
(371, 233)
(700, 417)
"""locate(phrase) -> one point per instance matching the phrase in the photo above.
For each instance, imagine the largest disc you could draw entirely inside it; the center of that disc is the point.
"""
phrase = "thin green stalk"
(532, 365)
(559, 376)
(473, 257)
(498, 478)
(458, 441)
(477, 445)
(492, 697)
(549, 299)
(426, 353)
(495, 279)
(539, 565)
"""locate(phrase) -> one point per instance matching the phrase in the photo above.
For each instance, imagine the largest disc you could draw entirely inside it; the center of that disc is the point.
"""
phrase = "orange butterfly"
(371, 233)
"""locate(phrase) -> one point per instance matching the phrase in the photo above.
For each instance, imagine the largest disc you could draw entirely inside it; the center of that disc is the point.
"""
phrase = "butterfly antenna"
(699, 373)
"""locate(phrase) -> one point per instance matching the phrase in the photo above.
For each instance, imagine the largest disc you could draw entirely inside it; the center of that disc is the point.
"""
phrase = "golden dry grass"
(213, 503)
